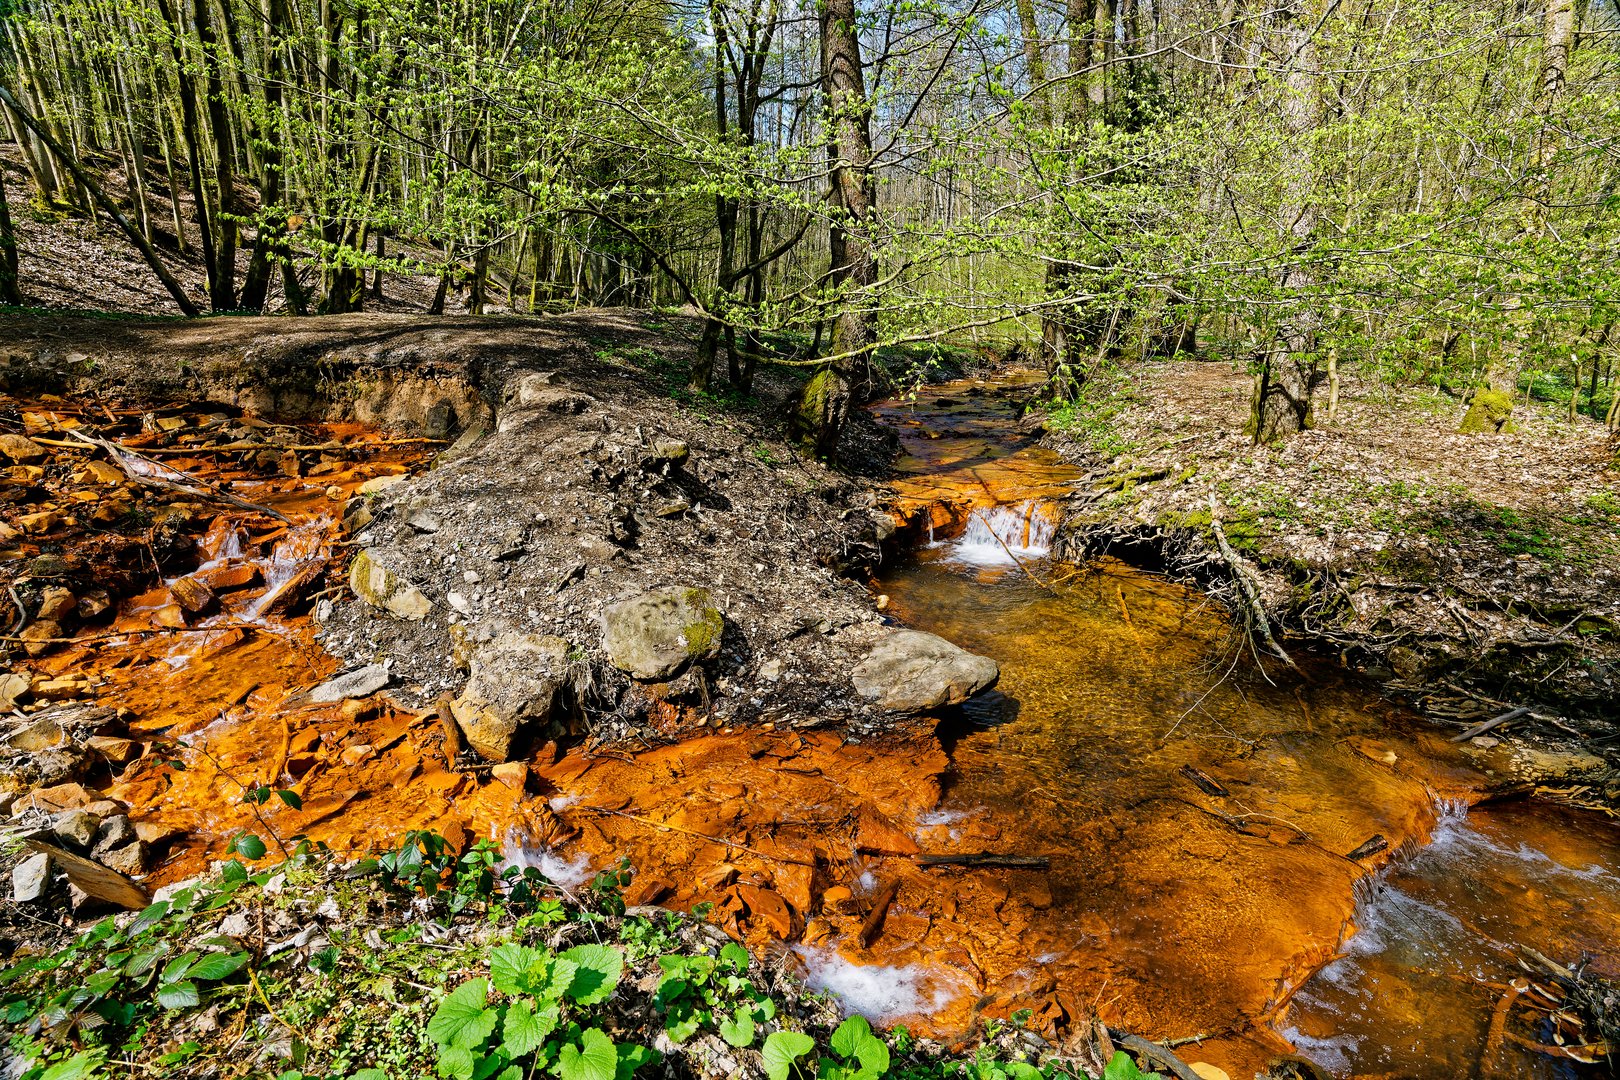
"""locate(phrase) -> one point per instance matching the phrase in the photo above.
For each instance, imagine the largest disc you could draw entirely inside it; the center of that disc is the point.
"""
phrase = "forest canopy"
(1424, 189)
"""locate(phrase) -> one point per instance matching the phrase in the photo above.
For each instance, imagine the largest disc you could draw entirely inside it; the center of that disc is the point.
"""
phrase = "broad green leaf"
(148, 917)
(596, 1058)
(782, 1049)
(456, 1061)
(1019, 1070)
(250, 846)
(176, 969)
(509, 967)
(217, 966)
(599, 970)
(734, 956)
(77, 1067)
(739, 1030)
(633, 1057)
(1122, 1067)
(461, 1019)
(180, 995)
(854, 1041)
(524, 1028)
(368, 1074)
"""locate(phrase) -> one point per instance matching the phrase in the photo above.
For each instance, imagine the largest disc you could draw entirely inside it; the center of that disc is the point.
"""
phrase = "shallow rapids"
(1283, 866)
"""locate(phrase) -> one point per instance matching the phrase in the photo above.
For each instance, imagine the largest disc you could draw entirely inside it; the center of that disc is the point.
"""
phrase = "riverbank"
(1470, 574)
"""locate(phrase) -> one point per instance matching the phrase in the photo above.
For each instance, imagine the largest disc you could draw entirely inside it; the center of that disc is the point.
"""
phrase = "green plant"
(693, 990)
(537, 1018)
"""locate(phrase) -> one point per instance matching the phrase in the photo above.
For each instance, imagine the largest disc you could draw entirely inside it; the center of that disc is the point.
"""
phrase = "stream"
(1202, 814)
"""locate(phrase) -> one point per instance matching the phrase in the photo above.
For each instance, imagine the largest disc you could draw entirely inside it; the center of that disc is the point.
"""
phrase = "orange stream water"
(1168, 910)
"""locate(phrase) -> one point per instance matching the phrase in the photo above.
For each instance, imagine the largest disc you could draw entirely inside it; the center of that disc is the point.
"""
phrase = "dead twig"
(163, 478)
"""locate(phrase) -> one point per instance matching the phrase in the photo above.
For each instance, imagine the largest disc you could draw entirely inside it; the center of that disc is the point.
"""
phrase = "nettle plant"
(529, 1015)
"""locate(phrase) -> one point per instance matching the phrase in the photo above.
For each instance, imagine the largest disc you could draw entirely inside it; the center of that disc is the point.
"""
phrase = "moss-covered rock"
(657, 634)
(1491, 413)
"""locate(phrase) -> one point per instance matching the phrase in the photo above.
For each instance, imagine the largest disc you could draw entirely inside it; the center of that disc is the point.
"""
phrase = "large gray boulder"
(517, 680)
(910, 671)
(655, 635)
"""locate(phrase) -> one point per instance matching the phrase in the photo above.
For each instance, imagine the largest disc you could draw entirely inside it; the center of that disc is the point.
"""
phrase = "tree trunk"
(1288, 376)
(825, 403)
(9, 291)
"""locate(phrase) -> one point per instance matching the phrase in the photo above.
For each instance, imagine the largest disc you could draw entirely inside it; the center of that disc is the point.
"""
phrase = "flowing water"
(1202, 814)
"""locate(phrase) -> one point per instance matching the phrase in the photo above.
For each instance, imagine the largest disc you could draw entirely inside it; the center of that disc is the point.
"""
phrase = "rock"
(172, 616)
(910, 671)
(14, 686)
(130, 859)
(99, 472)
(1205, 1071)
(113, 748)
(40, 522)
(362, 682)
(228, 575)
(39, 637)
(517, 679)
(76, 827)
(382, 588)
(769, 908)
(670, 453)
(21, 448)
(877, 835)
(94, 879)
(153, 833)
(105, 808)
(56, 604)
(113, 832)
(94, 602)
(43, 733)
(30, 878)
(655, 635)
(69, 796)
(68, 686)
(379, 484)
(514, 774)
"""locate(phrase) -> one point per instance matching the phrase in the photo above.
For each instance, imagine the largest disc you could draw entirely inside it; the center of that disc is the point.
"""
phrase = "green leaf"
(461, 1019)
(456, 1061)
(739, 1030)
(249, 846)
(524, 1028)
(369, 1074)
(77, 1067)
(1121, 1067)
(509, 968)
(599, 970)
(180, 995)
(782, 1049)
(595, 1059)
(734, 956)
(291, 798)
(854, 1041)
(633, 1057)
(216, 966)
(1019, 1070)
(176, 969)
(148, 917)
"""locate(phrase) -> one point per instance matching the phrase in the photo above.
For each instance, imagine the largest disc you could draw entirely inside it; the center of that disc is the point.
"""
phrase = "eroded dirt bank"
(1473, 573)
(1204, 831)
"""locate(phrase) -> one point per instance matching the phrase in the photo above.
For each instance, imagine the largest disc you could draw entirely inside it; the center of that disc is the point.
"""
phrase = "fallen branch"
(164, 478)
(1155, 1053)
(1492, 723)
(873, 923)
(987, 859)
(1251, 598)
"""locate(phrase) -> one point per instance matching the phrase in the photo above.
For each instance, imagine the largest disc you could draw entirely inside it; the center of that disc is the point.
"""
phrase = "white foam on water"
(1005, 535)
(569, 873)
(881, 994)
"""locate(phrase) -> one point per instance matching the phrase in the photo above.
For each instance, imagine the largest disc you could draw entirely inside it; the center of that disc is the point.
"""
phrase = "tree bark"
(825, 404)
(1288, 375)
(10, 293)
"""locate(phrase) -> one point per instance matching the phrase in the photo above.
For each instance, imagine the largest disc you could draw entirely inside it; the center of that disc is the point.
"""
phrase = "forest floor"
(1473, 573)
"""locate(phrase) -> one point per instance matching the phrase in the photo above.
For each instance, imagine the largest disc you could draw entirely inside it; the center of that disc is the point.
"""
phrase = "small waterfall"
(1003, 535)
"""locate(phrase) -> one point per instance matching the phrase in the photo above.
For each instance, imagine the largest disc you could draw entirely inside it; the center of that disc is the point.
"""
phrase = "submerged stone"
(656, 635)
(910, 671)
